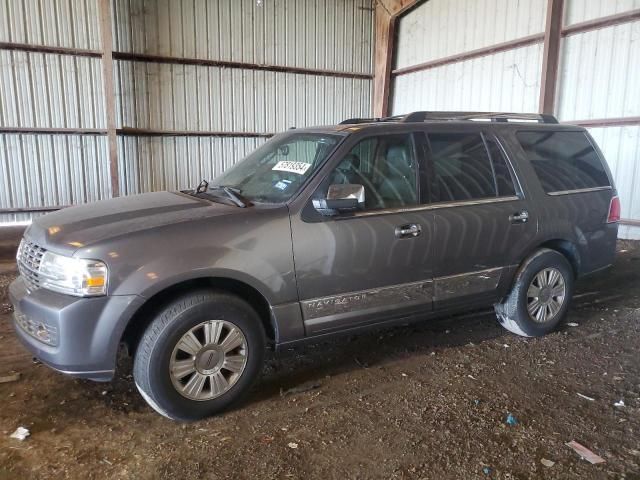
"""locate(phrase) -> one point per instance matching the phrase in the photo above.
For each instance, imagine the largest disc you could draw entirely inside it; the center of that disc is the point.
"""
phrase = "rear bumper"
(76, 336)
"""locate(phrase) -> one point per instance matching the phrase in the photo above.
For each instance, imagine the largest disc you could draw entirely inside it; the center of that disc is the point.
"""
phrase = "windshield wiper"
(233, 194)
(202, 187)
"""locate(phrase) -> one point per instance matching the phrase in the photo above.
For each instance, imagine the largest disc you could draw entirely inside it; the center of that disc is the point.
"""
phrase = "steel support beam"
(143, 57)
(551, 56)
(602, 22)
(387, 12)
(27, 47)
(606, 122)
(471, 54)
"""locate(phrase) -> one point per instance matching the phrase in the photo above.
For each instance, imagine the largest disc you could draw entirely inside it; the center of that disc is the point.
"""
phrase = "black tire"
(151, 371)
(512, 312)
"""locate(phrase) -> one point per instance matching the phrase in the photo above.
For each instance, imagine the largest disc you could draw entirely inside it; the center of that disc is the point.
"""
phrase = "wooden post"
(109, 92)
(551, 56)
(387, 12)
(382, 61)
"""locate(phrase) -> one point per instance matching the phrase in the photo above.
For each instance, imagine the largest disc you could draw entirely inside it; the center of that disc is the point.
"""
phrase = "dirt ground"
(425, 401)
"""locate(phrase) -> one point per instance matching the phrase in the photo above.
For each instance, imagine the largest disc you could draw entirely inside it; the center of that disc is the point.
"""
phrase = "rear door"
(375, 264)
(484, 224)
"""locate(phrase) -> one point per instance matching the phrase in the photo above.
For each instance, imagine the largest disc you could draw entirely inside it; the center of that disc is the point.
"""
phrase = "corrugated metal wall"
(598, 77)
(44, 90)
(332, 35)
(441, 28)
(203, 98)
(172, 163)
(599, 80)
(506, 81)
(582, 10)
(52, 90)
(322, 34)
(57, 23)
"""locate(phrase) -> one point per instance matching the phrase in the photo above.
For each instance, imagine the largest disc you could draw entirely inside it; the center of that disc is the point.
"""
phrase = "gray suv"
(320, 231)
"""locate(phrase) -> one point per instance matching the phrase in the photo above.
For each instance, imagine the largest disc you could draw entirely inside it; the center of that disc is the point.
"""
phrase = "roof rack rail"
(456, 116)
(350, 121)
(490, 116)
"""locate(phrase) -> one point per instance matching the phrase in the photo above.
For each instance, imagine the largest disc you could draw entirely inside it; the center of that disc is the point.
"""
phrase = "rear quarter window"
(563, 160)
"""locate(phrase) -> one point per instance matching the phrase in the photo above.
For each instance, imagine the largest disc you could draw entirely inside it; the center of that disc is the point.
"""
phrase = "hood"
(72, 228)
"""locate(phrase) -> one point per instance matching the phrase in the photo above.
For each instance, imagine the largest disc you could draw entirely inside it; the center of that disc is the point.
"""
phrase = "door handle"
(410, 230)
(519, 217)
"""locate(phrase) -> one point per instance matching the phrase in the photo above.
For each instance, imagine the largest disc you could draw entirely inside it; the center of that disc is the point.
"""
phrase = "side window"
(504, 180)
(563, 160)
(462, 168)
(387, 168)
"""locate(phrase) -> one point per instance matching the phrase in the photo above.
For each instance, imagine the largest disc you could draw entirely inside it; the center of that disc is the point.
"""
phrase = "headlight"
(73, 276)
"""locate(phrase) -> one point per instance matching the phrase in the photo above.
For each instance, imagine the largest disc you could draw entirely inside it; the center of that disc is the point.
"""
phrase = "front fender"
(276, 285)
(253, 247)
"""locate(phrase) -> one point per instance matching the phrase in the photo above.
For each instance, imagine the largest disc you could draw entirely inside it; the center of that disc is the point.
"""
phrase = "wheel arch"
(568, 249)
(143, 316)
(565, 247)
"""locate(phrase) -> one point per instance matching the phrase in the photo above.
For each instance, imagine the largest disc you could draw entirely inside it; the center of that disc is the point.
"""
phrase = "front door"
(483, 222)
(371, 265)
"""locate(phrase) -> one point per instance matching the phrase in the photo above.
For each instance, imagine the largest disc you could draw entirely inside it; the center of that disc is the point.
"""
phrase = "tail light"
(614, 210)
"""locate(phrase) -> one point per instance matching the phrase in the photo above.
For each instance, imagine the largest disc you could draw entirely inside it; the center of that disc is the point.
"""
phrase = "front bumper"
(76, 336)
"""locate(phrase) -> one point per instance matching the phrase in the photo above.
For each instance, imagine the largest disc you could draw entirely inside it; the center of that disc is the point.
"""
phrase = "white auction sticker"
(294, 167)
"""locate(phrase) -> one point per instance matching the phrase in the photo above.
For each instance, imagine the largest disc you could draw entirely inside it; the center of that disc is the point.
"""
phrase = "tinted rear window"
(563, 160)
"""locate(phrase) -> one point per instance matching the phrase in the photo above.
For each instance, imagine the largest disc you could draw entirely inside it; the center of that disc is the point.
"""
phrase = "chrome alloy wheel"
(545, 295)
(208, 360)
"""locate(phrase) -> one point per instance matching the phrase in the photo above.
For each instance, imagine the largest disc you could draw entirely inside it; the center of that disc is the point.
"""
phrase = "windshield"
(276, 170)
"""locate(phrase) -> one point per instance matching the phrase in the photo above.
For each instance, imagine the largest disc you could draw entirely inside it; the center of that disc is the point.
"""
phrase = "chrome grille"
(29, 258)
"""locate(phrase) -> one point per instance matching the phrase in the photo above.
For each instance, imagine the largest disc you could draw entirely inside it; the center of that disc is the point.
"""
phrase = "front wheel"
(199, 355)
(540, 296)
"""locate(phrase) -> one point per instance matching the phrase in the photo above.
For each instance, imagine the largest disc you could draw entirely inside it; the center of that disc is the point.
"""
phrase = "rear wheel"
(199, 355)
(540, 296)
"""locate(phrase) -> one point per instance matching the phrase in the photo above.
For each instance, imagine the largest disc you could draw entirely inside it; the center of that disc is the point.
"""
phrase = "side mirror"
(340, 198)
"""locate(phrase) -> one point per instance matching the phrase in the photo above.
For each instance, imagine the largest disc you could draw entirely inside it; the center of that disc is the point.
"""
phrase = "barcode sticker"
(294, 167)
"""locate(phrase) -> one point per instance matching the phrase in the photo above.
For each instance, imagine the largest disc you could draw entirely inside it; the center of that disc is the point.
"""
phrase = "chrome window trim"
(579, 190)
(432, 206)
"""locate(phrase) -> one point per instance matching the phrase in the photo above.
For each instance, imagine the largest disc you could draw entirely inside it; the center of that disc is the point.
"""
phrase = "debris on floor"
(372, 422)
(486, 470)
(585, 397)
(292, 445)
(547, 463)
(300, 389)
(21, 434)
(585, 453)
(12, 377)
(511, 420)
(619, 404)
(573, 324)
